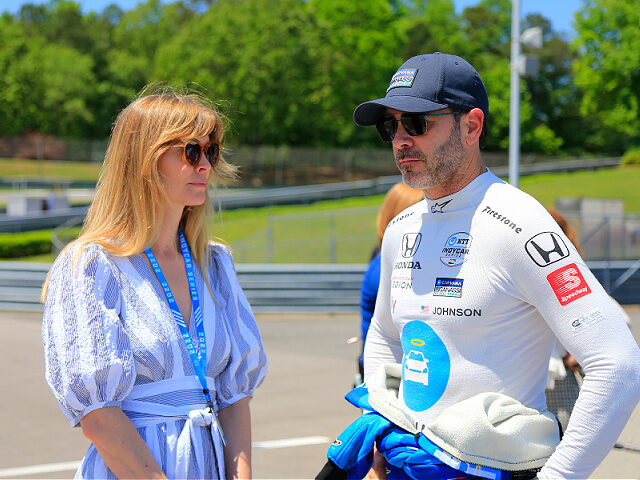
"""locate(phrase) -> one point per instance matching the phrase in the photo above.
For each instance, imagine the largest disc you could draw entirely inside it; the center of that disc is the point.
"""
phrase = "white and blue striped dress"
(111, 340)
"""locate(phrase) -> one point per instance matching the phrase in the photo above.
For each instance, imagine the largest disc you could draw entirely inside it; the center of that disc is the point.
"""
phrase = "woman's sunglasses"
(191, 151)
(414, 123)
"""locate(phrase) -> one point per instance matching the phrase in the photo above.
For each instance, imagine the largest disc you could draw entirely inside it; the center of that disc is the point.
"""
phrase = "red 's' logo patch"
(568, 284)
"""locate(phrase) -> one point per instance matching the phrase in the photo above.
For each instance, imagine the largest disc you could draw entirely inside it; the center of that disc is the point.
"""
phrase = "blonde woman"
(150, 344)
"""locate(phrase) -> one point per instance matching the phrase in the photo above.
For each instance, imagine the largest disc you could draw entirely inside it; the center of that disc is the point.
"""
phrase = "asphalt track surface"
(299, 404)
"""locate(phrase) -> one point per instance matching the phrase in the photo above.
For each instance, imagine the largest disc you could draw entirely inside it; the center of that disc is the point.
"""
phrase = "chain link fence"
(337, 236)
(349, 236)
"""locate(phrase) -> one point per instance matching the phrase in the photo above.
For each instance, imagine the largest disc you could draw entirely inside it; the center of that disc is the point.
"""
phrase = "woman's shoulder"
(219, 252)
(84, 258)
(220, 256)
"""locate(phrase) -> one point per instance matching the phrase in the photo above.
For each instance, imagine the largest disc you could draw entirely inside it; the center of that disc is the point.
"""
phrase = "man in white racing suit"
(478, 279)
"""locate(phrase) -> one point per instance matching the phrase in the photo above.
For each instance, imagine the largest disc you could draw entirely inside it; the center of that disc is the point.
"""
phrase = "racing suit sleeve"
(383, 339)
(589, 325)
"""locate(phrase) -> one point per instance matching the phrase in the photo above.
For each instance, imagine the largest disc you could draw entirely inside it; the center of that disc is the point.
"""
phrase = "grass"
(71, 171)
(301, 233)
(621, 183)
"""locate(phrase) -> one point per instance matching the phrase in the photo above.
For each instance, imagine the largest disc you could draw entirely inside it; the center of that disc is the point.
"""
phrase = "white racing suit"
(474, 288)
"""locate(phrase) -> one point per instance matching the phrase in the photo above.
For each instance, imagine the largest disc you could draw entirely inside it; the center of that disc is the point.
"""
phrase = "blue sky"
(560, 12)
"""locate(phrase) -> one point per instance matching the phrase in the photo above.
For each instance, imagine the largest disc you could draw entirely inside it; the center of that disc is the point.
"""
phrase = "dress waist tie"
(173, 399)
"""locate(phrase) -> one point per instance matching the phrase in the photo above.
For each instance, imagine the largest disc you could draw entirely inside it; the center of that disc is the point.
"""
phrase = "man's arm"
(383, 339)
(588, 324)
(610, 359)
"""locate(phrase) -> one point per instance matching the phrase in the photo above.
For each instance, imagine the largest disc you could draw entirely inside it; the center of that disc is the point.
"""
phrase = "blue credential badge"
(426, 366)
(448, 287)
(403, 78)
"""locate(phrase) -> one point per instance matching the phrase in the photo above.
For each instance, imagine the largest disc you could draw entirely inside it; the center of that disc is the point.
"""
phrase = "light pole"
(514, 97)
(520, 65)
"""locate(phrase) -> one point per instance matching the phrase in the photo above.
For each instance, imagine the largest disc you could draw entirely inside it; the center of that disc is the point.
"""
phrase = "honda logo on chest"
(410, 244)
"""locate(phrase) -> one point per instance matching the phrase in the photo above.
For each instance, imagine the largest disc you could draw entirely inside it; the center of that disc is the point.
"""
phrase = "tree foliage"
(607, 70)
(292, 71)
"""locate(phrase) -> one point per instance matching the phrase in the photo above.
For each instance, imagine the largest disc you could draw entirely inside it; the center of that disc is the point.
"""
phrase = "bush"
(24, 244)
(631, 157)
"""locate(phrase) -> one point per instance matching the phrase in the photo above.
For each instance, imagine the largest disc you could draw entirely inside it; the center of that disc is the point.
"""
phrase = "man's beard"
(442, 167)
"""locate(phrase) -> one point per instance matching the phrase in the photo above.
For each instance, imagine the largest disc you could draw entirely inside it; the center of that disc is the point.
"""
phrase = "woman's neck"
(166, 244)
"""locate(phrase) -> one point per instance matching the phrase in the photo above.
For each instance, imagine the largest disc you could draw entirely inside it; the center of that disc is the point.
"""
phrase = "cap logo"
(403, 78)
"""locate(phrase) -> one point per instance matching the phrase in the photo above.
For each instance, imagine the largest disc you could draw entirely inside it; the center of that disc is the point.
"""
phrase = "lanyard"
(199, 359)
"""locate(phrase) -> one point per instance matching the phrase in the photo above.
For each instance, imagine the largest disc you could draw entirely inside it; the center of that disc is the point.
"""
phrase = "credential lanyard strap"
(198, 358)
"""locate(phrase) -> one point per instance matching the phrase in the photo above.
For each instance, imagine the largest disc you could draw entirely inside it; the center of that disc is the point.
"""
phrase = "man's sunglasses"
(191, 151)
(415, 124)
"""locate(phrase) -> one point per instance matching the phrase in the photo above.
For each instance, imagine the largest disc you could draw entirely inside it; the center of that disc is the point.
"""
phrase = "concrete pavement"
(311, 368)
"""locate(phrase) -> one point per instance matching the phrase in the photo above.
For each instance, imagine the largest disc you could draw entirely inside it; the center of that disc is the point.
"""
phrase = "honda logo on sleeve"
(410, 244)
(546, 248)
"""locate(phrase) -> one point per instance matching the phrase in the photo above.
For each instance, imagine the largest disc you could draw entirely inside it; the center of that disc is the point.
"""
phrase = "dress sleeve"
(88, 358)
(247, 366)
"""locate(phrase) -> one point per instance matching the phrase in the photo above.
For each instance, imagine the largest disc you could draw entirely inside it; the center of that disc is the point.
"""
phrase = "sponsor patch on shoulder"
(546, 248)
(448, 287)
(403, 78)
(586, 320)
(568, 284)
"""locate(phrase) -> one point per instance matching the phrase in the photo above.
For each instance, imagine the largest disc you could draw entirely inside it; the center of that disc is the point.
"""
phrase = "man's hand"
(379, 470)
(570, 362)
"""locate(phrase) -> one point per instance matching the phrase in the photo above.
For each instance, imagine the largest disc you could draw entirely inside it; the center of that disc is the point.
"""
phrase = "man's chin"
(415, 181)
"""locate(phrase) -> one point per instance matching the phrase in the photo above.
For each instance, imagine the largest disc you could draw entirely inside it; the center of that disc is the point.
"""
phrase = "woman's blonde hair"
(397, 199)
(125, 215)
(566, 228)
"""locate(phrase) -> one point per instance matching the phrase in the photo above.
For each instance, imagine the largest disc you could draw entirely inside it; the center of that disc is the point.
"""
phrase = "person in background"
(397, 199)
(150, 345)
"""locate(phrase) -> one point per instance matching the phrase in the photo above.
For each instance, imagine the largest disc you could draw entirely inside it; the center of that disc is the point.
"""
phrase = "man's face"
(431, 159)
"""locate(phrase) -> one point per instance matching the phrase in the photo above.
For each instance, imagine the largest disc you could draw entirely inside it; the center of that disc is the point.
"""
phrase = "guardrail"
(277, 287)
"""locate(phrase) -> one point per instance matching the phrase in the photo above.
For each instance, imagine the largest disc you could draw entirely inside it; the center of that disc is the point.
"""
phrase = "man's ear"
(471, 127)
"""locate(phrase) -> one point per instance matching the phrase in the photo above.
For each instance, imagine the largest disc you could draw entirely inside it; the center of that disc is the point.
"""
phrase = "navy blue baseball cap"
(426, 83)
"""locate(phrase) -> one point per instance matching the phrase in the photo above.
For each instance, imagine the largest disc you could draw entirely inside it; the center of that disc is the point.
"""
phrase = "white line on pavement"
(37, 469)
(292, 442)
(64, 466)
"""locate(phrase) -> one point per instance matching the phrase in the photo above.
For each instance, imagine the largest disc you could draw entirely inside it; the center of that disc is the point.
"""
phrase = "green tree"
(359, 47)
(255, 57)
(486, 28)
(607, 70)
(68, 87)
(487, 32)
(21, 83)
(555, 120)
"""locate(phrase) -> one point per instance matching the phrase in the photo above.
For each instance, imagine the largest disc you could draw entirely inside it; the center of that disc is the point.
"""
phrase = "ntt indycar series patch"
(456, 249)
